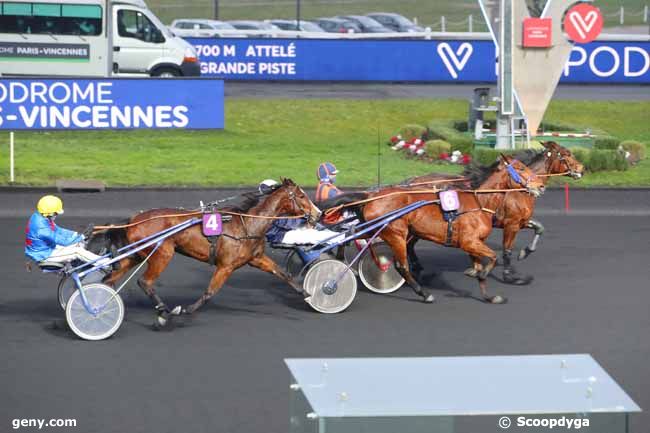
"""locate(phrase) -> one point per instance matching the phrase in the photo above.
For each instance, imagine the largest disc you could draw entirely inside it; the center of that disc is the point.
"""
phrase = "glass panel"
(82, 11)
(456, 394)
(46, 10)
(17, 9)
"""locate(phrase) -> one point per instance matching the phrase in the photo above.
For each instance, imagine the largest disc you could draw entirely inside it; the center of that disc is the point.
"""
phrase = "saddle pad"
(449, 200)
(212, 224)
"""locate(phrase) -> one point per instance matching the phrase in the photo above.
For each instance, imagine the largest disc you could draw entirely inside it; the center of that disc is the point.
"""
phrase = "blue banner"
(111, 104)
(468, 61)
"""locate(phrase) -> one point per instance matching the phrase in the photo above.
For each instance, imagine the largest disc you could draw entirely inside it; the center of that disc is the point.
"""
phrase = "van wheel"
(165, 73)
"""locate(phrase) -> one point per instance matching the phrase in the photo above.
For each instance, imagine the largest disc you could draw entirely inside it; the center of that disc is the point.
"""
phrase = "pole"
(645, 14)
(567, 204)
(443, 24)
(11, 157)
(216, 9)
(298, 15)
(622, 15)
(471, 23)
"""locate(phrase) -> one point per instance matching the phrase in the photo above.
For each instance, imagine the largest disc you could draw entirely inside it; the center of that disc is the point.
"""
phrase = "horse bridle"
(562, 159)
(296, 205)
(516, 176)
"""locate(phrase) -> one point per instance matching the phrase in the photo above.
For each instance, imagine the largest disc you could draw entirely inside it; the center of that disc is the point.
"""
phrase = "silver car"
(198, 28)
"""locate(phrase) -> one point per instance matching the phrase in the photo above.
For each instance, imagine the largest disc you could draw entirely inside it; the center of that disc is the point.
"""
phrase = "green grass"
(428, 12)
(274, 138)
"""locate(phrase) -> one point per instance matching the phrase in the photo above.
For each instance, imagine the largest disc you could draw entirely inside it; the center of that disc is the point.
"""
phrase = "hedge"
(434, 148)
(637, 150)
(446, 131)
(412, 131)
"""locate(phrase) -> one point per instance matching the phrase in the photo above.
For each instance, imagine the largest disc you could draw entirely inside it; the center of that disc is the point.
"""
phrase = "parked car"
(253, 25)
(305, 26)
(366, 24)
(395, 22)
(199, 28)
(338, 25)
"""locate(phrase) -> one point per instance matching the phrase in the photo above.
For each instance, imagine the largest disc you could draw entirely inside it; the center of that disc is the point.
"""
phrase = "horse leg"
(126, 265)
(476, 268)
(539, 231)
(216, 283)
(155, 266)
(266, 264)
(510, 276)
(414, 262)
(398, 245)
(477, 248)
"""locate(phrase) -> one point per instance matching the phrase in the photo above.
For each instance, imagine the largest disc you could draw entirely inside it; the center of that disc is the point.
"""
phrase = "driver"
(45, 241)
(294, 231)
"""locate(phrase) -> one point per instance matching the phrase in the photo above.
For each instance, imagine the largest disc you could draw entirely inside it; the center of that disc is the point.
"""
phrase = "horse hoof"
(516, 280)
(523, 254)
(160, 322)
(498, 300)
(176, 311)
(429, 299)
(471, 272)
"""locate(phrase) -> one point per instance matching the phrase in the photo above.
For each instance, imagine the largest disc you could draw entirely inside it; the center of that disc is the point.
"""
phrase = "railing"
(426, 35)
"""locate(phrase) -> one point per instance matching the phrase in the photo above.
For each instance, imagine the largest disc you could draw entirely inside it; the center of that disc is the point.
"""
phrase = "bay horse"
(468, 230)
(242, 242)
(515, 211)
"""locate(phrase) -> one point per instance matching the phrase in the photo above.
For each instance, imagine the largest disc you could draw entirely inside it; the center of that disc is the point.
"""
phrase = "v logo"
(583, 25)
(455, 61)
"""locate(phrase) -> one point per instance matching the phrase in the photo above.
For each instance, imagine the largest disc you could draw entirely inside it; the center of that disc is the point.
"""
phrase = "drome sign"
(111, 104)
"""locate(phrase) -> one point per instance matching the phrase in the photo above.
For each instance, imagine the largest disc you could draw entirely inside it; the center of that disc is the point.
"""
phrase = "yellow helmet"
(49, 205)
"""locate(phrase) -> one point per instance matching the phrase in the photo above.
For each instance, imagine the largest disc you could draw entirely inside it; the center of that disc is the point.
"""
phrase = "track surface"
(224, 371)
(326, 90)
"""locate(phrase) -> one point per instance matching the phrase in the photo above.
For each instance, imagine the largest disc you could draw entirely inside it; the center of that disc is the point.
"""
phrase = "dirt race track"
(223, 371)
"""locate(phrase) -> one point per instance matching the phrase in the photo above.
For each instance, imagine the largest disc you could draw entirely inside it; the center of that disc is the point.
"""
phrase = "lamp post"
(297, 14)
(216, 9)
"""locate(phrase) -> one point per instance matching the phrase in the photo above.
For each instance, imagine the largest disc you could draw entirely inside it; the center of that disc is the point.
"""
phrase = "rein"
(239, 214)
(554, 174)
(432, 191)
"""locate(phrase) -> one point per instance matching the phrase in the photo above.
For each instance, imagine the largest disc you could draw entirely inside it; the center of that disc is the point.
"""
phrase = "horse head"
(519, 175)
(294, 201)
(560, 160)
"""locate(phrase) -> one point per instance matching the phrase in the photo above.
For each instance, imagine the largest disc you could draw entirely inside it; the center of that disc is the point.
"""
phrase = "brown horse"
(241, 243)
(468, 230)
(516, 209)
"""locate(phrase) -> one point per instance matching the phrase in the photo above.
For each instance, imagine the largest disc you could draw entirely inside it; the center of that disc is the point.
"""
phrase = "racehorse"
(242, 242)
(516, 209)
(467, 230)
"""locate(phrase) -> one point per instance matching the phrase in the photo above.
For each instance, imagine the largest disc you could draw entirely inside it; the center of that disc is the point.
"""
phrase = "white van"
(90, 38)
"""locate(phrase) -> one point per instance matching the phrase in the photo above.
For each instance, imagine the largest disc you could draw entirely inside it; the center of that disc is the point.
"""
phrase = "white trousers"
(308, 236)
(71, 252)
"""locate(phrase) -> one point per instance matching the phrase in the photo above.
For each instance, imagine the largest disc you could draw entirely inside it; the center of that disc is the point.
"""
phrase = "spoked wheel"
(67, 286)
(353, 248)
(330, 286)
(293, 264)
(102, 324)
(377, 271)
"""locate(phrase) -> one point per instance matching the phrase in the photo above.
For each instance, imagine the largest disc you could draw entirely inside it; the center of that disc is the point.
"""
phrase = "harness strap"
(450, 232)
(213, 250)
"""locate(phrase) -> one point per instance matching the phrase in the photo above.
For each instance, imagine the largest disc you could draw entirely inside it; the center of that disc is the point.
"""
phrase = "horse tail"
(108, 240)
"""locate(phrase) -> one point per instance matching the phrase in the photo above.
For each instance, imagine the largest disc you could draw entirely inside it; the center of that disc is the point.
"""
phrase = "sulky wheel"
(104, 322)
(330, 286)
(67, 286)
(293, 264)
(377, 271)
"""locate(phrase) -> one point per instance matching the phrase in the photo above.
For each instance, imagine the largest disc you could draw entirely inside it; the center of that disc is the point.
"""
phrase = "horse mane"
(477, 174)
(342, 199)
(251, 199)
(529, 156)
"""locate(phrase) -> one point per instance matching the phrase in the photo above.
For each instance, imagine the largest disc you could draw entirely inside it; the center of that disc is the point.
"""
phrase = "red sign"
(583, 23)
(538, 32)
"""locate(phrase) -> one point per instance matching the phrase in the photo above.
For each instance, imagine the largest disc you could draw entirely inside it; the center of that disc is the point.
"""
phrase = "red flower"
(466, 159)
(444, 156)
